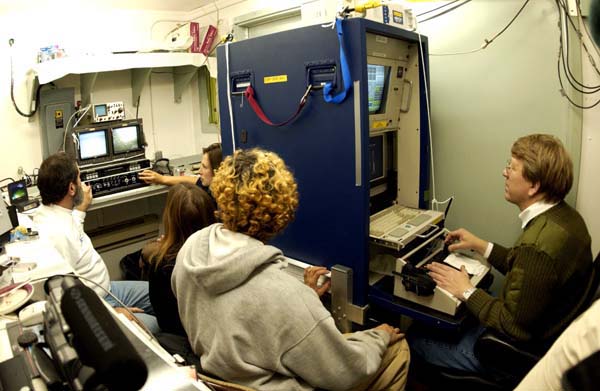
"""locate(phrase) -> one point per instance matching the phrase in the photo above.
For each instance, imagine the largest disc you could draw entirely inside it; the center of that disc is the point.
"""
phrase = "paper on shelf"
(473, 266)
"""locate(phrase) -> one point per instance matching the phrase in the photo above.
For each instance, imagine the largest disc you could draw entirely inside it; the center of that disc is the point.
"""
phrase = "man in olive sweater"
(548, 270)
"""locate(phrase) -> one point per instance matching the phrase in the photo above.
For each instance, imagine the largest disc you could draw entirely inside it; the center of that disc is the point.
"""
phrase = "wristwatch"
(468, 292)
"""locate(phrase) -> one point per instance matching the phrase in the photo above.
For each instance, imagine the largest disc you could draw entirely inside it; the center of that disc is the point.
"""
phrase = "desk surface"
(127, 196)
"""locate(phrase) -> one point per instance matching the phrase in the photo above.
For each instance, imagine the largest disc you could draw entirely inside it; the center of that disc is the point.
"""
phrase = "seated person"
(548, 270)
(188, 209)
(578, 342)
(251, 322)
(211, 159)
(60, 220)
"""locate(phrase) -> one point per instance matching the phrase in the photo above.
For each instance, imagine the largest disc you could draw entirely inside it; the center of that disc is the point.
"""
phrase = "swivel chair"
(506, 360)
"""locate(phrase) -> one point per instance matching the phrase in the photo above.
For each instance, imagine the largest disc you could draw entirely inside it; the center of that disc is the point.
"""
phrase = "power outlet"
(20, 172)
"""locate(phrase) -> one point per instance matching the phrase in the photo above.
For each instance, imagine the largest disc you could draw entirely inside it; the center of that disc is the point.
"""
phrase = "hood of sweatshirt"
(219, 260)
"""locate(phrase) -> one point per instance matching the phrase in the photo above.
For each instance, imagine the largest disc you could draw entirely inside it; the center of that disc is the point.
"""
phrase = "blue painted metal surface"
(331, 225)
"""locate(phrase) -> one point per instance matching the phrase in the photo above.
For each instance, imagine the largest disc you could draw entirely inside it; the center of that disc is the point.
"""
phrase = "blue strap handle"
(340, 96)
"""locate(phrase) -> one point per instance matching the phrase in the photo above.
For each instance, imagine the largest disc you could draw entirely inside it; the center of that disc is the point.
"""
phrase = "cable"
(152, 112)
(486, 42)
(563, 9)
(444, 12)
(67, 130)
(435, 9)
(137, 107)
(229, 105)
(12, 88)
(564, 36)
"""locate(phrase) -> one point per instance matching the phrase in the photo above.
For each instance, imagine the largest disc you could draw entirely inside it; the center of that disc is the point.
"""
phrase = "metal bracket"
(343, 310)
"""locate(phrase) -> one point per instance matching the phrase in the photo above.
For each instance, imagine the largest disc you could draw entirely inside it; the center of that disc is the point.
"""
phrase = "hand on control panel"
(150, 176)
(86, 197)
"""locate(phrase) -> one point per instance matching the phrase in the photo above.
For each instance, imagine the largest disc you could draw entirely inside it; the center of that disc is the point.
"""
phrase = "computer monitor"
(377, 157)
(126, 139)
(378, 76)
(17, 192)
(93, 144)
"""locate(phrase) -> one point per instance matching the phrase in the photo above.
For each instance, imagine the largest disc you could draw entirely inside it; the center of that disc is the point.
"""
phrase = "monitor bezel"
(80, 132)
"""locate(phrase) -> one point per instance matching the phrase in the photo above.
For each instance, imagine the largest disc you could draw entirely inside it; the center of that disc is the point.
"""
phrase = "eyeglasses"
(509, 167)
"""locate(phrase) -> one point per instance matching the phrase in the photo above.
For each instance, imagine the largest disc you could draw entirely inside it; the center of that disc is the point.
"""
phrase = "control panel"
(112, 111)
(114, 178)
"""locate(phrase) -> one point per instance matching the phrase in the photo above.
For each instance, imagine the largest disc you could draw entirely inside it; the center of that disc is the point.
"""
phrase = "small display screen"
(92, 144)
(100, 110)
(377, 76)
(125, 139)
(17, 191)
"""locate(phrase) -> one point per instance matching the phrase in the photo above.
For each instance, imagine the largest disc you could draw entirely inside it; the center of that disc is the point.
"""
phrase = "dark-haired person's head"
(212, 156)
(58, 175)
(256, 193)
(188, 209)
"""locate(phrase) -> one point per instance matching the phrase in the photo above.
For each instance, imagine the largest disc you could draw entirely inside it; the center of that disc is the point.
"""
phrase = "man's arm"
(524, 297)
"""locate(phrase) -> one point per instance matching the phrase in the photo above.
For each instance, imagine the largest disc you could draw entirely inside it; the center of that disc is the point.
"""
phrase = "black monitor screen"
(125, 139)
(377, 169)
(377, 76)
(92, 144)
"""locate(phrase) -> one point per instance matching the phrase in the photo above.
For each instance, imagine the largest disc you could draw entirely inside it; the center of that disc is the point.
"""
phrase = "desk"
(127, 196)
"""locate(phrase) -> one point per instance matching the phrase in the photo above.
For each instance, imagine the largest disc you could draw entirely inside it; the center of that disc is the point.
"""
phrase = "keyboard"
(391, 218)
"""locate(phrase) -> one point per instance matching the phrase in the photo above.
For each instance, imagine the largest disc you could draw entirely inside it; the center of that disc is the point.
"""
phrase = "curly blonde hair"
(256, 193)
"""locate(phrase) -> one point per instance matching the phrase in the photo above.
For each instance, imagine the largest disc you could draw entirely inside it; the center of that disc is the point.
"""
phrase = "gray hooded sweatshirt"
(253, 324)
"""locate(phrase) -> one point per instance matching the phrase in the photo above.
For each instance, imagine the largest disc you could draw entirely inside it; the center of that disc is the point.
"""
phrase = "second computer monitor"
(126, 139)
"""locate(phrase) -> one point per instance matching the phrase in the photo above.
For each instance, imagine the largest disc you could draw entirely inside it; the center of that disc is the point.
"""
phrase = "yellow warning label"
(379, 124)
(276, 79)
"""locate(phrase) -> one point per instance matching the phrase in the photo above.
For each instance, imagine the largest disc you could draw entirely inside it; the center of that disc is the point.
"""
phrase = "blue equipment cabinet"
(327, 144)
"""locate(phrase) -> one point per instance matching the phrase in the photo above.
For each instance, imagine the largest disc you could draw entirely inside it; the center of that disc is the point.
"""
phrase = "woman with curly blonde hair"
(251, 322)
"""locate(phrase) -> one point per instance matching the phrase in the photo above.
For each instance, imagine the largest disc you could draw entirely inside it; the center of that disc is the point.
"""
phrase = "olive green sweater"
(548, 273)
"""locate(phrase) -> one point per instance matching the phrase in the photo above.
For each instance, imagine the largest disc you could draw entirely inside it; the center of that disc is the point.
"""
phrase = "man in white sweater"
(59, 221)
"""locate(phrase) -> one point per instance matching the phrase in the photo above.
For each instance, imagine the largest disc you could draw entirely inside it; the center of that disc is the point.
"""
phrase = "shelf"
(141, 64)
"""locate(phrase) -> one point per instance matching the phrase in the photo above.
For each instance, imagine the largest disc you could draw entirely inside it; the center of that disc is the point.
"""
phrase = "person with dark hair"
(251, 322)
(60, 219)
(548, 270)
(188, 209)
(211, 159)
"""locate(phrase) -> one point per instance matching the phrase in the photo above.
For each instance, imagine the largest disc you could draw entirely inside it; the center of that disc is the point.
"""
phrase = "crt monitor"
(92, 144)
(126, 139)
(378, 76)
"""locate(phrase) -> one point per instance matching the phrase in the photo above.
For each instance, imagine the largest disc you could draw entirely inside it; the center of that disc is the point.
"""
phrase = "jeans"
(458, 353)
(134, 294)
